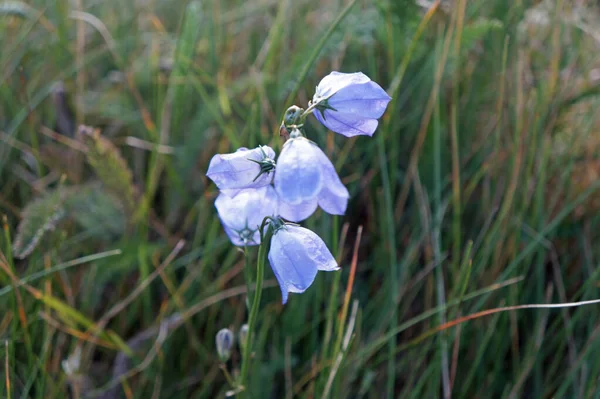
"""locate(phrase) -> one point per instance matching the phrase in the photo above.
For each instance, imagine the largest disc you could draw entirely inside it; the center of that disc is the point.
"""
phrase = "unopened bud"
(292, 115)
(243, 336)
(224, 341)
(71, 364)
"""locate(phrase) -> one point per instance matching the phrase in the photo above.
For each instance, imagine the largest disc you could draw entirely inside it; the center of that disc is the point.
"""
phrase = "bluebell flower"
(306, 177)
(243, 213)
(242, 169)
(349, 103)
(296, 254)
(298, 212)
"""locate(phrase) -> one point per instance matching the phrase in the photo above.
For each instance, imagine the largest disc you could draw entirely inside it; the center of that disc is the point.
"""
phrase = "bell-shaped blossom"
(306, 177)
(296, 254)
(299, 212)
(242, 169)
(299, 177)
(243, 213)
(350, 103)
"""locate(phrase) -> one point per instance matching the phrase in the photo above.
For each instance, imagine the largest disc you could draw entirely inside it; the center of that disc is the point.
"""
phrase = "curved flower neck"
(277, 223)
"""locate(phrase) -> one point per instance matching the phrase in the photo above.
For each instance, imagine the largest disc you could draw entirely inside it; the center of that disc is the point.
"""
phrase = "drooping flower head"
(296, 254)
(243, 213)
(350, 103)
(306, 178)
(242, 169)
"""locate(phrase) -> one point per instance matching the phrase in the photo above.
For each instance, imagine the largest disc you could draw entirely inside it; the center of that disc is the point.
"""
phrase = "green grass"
(480, 189)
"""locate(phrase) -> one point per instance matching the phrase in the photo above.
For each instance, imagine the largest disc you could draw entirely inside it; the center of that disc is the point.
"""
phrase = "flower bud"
(224, 341)
(243, 336)
(292, 116)
(71, 364)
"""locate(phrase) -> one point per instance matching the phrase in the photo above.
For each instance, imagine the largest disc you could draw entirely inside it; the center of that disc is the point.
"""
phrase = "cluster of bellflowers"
(259, 189)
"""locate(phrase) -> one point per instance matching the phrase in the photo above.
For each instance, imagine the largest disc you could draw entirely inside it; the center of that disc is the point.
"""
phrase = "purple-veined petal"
(347, 125)
(235, 171)
(298, 177)
(242, 214)
(299, 212)
(334, 196)
(295, 256)
(336, 81)
(367, 100)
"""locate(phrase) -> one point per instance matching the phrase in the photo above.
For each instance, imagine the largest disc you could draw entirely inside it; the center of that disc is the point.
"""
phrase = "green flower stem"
(260, 272)
(248, 275)
(307, 112)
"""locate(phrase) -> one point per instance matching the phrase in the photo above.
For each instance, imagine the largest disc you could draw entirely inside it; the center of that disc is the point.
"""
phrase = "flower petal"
(367, 100)
(292, 267)
(295, 256)
(298, 176)
(236, 171)
(334, 196)
(243, 214)
(336, 81)
(299, 212)
(347, 125)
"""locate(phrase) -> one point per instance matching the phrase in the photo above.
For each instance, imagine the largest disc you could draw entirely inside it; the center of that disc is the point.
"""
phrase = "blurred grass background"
(480, 189)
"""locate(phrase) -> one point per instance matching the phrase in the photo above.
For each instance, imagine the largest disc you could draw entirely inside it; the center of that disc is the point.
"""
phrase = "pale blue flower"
(306, 177)
(243, 213)
(295, 256)
(299, 212)
(350, 103)
(242, 169)
(299, 177)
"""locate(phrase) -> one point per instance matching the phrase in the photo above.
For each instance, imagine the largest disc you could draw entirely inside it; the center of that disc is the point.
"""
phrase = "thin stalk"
(437, 243)
(144, 270)
(17, 302)
(248, 275)
(7, 369)
(10, 354)
(260, 272)
(456, 183)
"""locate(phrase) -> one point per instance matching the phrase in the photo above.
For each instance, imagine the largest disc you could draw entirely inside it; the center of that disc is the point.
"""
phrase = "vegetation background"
(480, 189)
